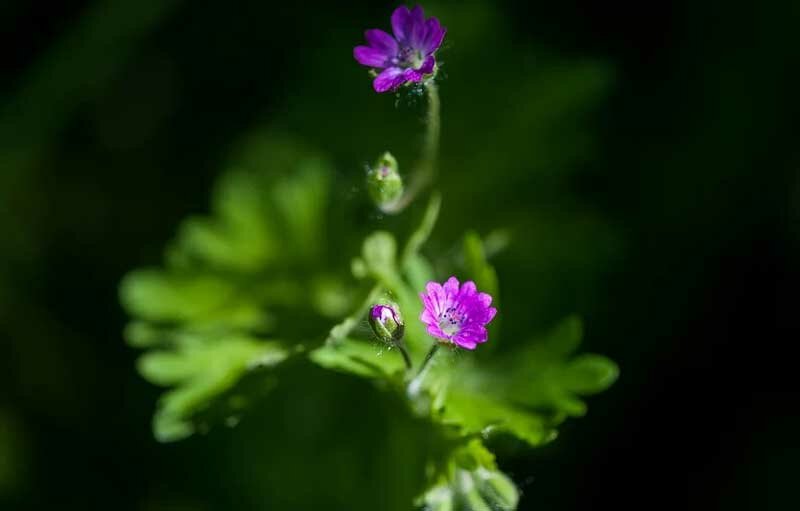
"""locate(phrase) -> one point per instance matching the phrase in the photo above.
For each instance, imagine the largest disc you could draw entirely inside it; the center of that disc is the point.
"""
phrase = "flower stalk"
(425, 172)
(416, 384)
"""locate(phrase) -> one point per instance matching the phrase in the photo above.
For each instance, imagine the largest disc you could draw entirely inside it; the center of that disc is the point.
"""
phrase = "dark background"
(675, 185)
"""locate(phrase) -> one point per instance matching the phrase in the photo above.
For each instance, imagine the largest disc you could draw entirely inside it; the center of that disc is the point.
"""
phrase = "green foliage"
(379, 263)
(470, 481)
(525, 392)
(237, 280)
(549, 377)
(200, 371)
(212, 314)
(478, 267)
(360, 357)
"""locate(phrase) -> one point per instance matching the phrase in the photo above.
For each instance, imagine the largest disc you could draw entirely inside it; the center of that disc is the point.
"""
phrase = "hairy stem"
(428, 358)
(425, 172)
(416, 384)
(406, 357)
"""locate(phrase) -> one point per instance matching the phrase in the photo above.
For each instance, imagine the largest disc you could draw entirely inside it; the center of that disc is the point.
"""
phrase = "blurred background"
(644, 158)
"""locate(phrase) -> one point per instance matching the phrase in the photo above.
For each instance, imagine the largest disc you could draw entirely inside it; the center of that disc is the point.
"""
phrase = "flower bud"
(387, 323)
(384, 183)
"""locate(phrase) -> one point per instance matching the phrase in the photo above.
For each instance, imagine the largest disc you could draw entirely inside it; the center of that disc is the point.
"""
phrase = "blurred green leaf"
(419, 271)
(362, 358)
(201, 372)
(477, 413)
(478, 268)
(379, 255)
(544, 375)
(470, 481)
(203, 300)
(421, 234)
(526, 392)
(231, 280)
(243, 234)
(301, 202)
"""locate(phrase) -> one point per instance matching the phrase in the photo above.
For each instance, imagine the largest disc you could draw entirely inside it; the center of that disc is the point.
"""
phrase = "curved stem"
(406, 357)
(416, 384)
(425, 172)
(428, 358)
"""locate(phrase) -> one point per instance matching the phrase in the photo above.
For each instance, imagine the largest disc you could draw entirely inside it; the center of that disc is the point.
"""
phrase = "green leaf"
(470, 481)
(421, 234)
(365, 359)
(202, 299)
(544, 375)
(379, 255)
(589, 374)
(475, 413)
(301, 203)
(478, 268)
(201, 373)
(526, 392)
(228, 280)
(241, 237)
(330, 296)
(419, 271)
(485, 277)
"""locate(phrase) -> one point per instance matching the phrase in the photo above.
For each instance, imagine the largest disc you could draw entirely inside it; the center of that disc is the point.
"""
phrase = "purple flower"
(386, 322)
(457, 314)
(408, 56)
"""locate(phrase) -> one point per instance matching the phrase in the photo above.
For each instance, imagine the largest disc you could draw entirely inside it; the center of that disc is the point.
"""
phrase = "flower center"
(451, 321)
(409, 57)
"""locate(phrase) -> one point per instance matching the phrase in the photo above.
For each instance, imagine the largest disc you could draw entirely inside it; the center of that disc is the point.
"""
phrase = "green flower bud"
(384, 183)
(387, 323)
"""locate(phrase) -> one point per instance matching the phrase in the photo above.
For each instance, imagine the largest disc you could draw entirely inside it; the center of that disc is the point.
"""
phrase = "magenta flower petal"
(436, 295)
(369, 56)
(401, 24)
(434, 34)
(389, 79)
(436, 332)
(467, 290)
(406, 57)
(382, 41)
(457, 313)
(427, 66)
(418, 28)
(465, 343)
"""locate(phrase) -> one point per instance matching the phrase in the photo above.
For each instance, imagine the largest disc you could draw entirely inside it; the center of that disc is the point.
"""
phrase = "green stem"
(416, 384)
(428, 358)
(425, 172)
(431, 148)
(404, 352)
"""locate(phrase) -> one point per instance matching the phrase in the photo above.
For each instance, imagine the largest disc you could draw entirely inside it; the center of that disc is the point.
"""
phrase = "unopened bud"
(387, 323)
(384, 183)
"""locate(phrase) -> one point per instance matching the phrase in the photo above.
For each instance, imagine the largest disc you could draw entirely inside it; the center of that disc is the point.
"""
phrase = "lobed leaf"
(229, 279)
(525, 393)
(362, 358)
(200, 373)
(470, 481)
(477, 266)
